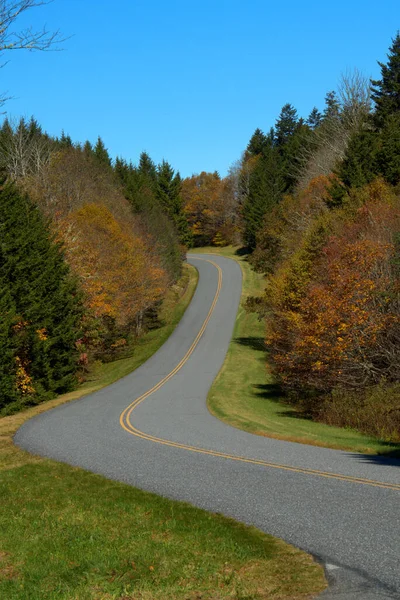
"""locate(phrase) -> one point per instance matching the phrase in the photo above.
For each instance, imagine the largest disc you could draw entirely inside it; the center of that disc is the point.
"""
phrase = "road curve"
(152, 429)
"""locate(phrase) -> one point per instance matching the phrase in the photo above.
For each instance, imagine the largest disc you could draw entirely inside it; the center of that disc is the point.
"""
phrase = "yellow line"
(125, 418)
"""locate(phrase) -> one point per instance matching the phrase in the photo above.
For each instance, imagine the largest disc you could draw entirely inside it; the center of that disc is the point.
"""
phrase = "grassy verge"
(70, 535)
(245, 396)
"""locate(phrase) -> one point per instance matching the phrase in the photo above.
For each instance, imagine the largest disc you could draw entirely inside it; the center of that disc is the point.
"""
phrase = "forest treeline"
(316, 201)
(88, 250)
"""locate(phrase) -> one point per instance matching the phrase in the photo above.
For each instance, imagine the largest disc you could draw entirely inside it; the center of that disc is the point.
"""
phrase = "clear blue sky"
(190, 80)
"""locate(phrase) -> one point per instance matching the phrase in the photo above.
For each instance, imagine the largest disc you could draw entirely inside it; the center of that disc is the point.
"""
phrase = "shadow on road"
(391, 458)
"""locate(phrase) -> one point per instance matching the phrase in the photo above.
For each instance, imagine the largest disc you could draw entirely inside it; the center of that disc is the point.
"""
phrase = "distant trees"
(140, 187)
(210, 208)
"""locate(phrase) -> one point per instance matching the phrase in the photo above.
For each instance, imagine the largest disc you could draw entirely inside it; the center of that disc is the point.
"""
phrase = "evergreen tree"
(65, 141)
(314, 118)
(386, 91)
(286, 125)
(168, 192)
(292, 153)
(257, 143)
(41, 293)
(388, 149)
(87, 149)
(101, 153)
(265, 190)
(332, 107)
(121, 170)
(140, 189)
(359, 166)
(8, 365)
(147, 170)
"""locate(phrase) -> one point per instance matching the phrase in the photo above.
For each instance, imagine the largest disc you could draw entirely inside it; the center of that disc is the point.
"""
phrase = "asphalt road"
(341, 507)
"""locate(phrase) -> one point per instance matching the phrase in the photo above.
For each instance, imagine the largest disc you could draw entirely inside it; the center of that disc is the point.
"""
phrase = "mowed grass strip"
(68, 534)
(246, 396)
(71, 535)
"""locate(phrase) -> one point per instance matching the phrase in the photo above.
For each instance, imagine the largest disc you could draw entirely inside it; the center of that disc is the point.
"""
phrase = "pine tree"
(87, 149)
(65, 140)
(388, 151)
(168, 193)
(8, 365)
(286, 125)
(332, 107)
(121, 170)
(314, 118)
(43, 295)
(140, 190)
(101, 153)
(359, 166)
(265, 190)
(257, 143)
(386, 91)
(296, 147)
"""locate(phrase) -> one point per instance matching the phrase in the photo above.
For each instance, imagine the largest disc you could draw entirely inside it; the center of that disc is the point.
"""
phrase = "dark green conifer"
(101, 153)
(314, 118)
(257, 143)
(88, 149)
(8, 365)
(286, 125)
(386, 91)
(43, 294)
(265, 190)
(140, 189)
(168, 192)
(65, 140)
(332, 107)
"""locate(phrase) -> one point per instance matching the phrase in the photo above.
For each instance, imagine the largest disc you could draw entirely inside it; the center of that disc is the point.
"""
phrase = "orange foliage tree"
(344, 329)
(209, 206)
(120, 274)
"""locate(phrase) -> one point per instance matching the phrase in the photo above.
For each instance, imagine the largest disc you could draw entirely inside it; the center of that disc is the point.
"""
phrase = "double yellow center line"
(126, 423)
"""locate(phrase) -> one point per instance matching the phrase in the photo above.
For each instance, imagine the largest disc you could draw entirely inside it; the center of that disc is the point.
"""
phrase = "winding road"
(152, 430)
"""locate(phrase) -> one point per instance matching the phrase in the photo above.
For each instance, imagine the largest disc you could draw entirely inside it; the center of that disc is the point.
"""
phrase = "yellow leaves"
(120, 272)
(42, 334)
(20, 326)
(23, 381)
(119, 343)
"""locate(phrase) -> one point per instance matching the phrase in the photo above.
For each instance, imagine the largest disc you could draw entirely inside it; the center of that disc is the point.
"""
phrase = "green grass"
(245, 395)
(70, 535)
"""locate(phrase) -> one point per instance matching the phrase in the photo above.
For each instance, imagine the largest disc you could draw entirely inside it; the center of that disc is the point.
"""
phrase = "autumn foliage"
(119, 272)
(84, 261)
(209, 204)
(338, 322)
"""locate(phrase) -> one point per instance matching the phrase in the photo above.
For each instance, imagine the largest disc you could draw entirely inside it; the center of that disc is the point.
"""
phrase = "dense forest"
(88, 250)
(89, 247)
